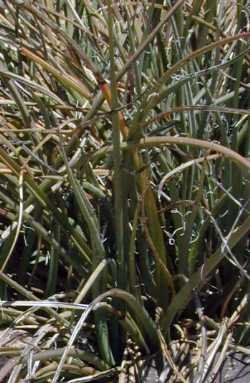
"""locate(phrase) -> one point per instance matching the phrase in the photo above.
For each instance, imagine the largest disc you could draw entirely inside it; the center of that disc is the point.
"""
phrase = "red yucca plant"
(124, 166)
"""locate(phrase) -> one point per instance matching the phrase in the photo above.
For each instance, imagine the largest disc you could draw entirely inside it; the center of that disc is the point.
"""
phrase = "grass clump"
(124, 194)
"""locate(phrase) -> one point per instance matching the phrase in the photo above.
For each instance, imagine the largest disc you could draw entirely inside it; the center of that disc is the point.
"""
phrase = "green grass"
(124, 185)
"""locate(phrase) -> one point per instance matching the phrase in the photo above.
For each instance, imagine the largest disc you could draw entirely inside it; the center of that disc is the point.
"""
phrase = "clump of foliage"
(124, 194)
